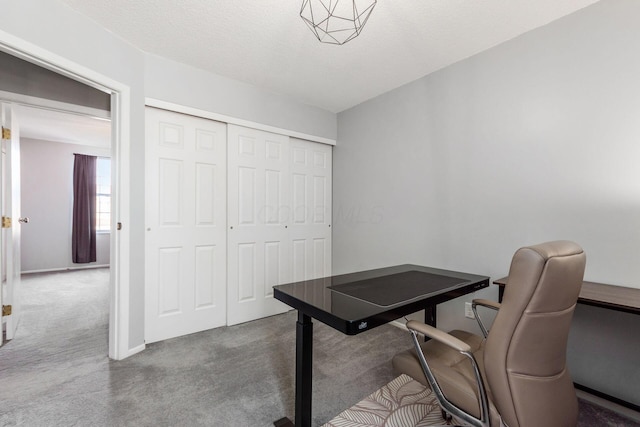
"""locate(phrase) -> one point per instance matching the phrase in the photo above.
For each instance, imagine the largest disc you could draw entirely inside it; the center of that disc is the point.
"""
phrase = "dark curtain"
(83, 235)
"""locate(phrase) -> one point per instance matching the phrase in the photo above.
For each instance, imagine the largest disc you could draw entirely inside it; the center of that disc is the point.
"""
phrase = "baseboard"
(54, 270)
(610, 400)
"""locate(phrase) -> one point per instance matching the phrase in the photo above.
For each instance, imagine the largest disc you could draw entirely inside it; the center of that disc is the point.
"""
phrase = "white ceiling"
(50, 125)
(266, 43)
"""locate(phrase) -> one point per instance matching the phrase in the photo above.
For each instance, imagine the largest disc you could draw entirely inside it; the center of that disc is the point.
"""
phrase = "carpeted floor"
(56, 371)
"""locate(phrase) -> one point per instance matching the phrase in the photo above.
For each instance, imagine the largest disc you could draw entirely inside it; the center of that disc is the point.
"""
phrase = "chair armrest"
(484, 303)
(487, 303)
(438, 335)
(449, 340)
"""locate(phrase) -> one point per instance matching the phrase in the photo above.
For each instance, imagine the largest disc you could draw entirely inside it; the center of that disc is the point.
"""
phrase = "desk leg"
(430, 318)
(430, 315)
(304, 370)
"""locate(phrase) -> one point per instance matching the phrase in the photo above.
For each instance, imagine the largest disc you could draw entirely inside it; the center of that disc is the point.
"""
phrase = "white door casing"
(3, 261)
(3, 234)
(120, 345)
(186, 224)
(310, 230)
(10, 247)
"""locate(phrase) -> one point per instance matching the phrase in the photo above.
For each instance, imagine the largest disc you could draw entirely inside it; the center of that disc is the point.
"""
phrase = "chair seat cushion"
(452, 370)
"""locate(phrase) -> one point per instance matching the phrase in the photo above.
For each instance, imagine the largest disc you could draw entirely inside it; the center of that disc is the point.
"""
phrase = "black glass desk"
(356, 302)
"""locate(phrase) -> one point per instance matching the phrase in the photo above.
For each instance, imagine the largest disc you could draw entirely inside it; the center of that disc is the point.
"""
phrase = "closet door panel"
(310, 231)
(185, 260)
(258, 204)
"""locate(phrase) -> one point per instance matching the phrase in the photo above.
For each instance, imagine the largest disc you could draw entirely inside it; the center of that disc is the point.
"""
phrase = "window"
(103, 194)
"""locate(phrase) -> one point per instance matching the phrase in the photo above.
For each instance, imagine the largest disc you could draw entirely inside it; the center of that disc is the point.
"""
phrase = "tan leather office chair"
(517, 376)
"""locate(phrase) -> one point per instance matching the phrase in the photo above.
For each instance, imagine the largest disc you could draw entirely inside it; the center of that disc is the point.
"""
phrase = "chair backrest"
(525, 352)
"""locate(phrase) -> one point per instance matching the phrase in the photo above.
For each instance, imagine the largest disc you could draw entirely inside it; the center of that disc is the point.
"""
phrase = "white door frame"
(197, 112)
(120, 151)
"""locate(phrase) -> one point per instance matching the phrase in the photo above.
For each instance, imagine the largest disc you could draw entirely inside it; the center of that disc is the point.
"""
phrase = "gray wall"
(533, 140)
(25, 78)
(47, 199)
(603, 351)
(57, 29)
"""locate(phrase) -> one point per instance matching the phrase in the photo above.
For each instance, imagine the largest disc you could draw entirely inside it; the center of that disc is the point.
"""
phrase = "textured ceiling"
(266, 43)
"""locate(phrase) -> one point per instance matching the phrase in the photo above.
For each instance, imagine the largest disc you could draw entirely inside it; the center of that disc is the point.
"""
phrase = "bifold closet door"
(185, 284)
(259, 251)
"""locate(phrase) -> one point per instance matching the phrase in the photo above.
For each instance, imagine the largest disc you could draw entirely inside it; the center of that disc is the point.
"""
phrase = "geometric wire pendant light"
(336, 21)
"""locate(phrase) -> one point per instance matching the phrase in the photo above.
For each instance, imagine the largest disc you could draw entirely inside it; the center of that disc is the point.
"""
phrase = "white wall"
(533, 140)
(47, 199)
(52, 26)
(209, 92)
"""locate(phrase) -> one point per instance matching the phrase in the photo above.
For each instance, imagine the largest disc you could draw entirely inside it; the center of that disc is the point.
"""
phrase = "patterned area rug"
(403, 402)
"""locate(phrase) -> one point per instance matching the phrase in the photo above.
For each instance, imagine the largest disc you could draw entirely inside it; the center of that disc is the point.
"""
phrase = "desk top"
(356, 302)
(602, 295)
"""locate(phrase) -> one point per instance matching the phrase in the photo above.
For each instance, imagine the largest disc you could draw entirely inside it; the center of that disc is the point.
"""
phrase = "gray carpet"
(56, 372)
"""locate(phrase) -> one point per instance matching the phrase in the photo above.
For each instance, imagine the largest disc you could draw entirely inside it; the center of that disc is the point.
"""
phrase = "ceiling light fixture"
(336, 21)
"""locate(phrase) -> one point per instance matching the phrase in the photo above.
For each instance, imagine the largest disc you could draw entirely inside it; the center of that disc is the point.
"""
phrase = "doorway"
(48, 142)
(119, 346)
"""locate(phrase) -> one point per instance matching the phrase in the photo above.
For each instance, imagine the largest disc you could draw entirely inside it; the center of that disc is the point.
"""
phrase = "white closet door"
(186, 225)
(310, 230)
(259, 251)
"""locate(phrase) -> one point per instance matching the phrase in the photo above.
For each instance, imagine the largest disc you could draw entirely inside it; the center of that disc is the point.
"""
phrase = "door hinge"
(6, 222)
(6, 133)
(6, 310)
